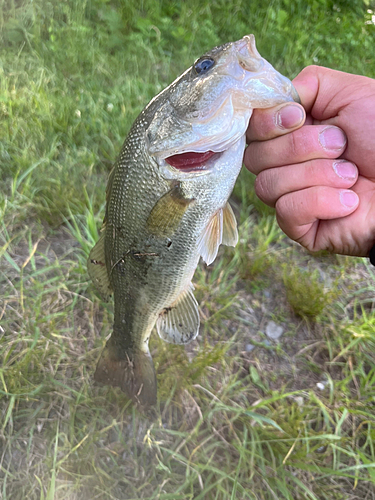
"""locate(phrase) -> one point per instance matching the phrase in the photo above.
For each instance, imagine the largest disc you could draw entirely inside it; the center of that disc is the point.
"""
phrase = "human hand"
(320, 177)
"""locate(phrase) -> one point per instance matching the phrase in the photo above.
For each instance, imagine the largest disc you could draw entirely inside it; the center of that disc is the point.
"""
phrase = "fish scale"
(160, 219)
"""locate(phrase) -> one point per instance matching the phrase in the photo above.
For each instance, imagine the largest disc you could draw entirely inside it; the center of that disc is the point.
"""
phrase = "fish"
(167, 206)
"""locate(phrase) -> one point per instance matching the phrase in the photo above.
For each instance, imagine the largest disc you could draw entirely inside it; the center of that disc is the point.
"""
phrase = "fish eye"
(203, 65)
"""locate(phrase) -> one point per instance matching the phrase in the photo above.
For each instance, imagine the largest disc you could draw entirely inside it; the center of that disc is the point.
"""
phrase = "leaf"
(254, 375)
(260, 419)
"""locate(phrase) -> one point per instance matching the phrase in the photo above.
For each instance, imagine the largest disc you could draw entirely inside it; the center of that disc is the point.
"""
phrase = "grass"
(305, 291)
(241, 415)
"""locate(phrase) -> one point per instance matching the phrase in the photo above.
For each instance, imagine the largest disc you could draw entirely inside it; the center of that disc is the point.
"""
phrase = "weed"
(305, 291)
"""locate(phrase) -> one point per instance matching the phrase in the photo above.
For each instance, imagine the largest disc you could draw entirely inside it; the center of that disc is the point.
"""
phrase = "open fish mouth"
(190, 161)
(189, 164)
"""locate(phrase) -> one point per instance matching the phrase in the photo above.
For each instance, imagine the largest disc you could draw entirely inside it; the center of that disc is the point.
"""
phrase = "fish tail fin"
(132, 371)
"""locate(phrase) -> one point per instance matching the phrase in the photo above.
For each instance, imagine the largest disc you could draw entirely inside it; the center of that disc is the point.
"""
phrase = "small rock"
(299, 400)
(321, 386)
(249, 347)
(321, 449)
(274, 331)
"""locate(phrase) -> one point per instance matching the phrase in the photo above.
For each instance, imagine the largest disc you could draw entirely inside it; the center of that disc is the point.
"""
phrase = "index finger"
(272, 122)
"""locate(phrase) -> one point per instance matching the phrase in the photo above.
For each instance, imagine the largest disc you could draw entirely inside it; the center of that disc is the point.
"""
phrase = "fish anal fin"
(167, 213)
(134, 373)
(211, 238)
(97, 269)
(179, 323)
(230, 233)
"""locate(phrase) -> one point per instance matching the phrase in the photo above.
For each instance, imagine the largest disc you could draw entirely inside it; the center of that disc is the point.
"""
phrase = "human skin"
(315, 163)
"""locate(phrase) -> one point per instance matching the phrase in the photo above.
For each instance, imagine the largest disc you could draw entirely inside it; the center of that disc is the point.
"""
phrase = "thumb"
(320, 90)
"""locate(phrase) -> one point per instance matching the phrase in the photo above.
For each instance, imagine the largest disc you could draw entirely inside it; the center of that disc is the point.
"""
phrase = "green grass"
(241, 415)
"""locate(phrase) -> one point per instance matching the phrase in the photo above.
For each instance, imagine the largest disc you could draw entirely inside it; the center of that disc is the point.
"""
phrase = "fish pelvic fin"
(211, 238)
(230, 233)
(132, 371)
(222, 229)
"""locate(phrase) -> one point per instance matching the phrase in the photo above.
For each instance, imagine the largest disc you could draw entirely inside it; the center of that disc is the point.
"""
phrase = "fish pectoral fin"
(167, 213)
(211, 238)
(97, 269)
(230, 233)
(179, 323)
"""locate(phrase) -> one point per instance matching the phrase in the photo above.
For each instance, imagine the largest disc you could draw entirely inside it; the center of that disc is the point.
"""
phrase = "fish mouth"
(191, 161)
(188, 164)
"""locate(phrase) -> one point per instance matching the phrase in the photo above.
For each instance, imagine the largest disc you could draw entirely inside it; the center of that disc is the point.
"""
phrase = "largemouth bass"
(167, 205)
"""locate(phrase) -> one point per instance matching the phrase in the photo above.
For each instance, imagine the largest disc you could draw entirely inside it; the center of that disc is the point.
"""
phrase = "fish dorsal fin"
(167, 213)
(230, 233)
(97, 269)
(108, 189)
(211, 238)
(179, 323)
(108, 192)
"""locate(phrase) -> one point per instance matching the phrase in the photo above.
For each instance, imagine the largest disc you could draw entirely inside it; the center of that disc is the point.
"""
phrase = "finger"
(297, 212)
(319, 87)
(273, 183)
(307, 143)
(271, 122)
(307, 85)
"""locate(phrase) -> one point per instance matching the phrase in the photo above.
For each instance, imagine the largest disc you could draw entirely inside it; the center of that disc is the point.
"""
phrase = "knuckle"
(311, 169)
(285, 207)
(312, 68)
(315, 196)
(248, 157)
(253, 157)
(265, 187)
(292, 208)
(294, 144)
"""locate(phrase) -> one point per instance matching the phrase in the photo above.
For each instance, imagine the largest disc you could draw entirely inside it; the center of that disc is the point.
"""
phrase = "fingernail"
(289, 116)
(332, 138)
(349, 199)
(345, 170)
